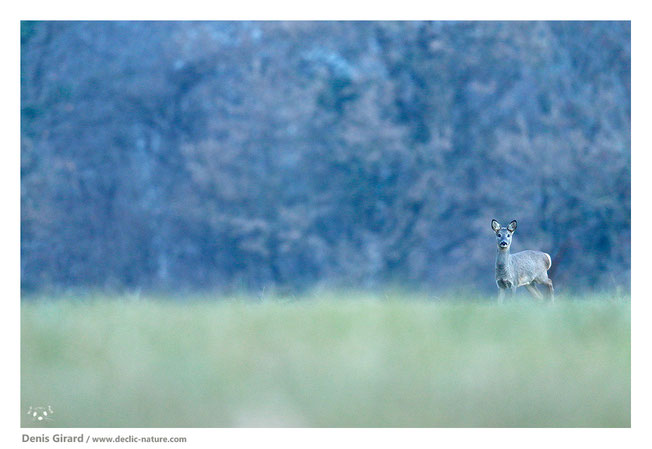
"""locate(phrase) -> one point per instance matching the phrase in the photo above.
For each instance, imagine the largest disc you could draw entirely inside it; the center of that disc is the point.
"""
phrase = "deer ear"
(495, 225)
(511, 227)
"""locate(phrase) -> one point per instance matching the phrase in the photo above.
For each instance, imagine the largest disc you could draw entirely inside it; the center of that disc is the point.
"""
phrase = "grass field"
(330, 362)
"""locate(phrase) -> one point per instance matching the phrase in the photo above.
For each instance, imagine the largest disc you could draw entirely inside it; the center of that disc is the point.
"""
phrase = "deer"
(526, 268)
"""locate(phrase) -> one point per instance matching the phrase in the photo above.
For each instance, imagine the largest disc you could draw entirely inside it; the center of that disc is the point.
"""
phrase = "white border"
(330, 10)
(638, 436)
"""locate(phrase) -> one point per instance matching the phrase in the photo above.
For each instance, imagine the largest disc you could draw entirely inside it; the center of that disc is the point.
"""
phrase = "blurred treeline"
(182, 155)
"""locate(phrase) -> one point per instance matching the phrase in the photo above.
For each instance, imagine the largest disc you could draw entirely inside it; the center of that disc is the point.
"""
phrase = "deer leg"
(545, 280)
(501, 295)
(551, 291)
(532, 288)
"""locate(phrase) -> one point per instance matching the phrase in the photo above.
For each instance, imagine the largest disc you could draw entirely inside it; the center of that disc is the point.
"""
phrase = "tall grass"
(366, 362)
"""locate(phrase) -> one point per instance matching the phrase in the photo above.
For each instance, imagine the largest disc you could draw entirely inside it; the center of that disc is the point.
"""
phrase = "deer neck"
(502, 263)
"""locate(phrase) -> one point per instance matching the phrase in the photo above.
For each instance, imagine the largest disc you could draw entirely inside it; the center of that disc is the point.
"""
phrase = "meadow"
(349, 360)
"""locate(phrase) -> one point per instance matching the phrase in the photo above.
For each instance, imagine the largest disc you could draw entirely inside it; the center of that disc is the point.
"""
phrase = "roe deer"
(523, 268)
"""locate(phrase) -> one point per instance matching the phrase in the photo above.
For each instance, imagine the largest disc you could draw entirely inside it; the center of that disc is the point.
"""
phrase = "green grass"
(361, 362)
